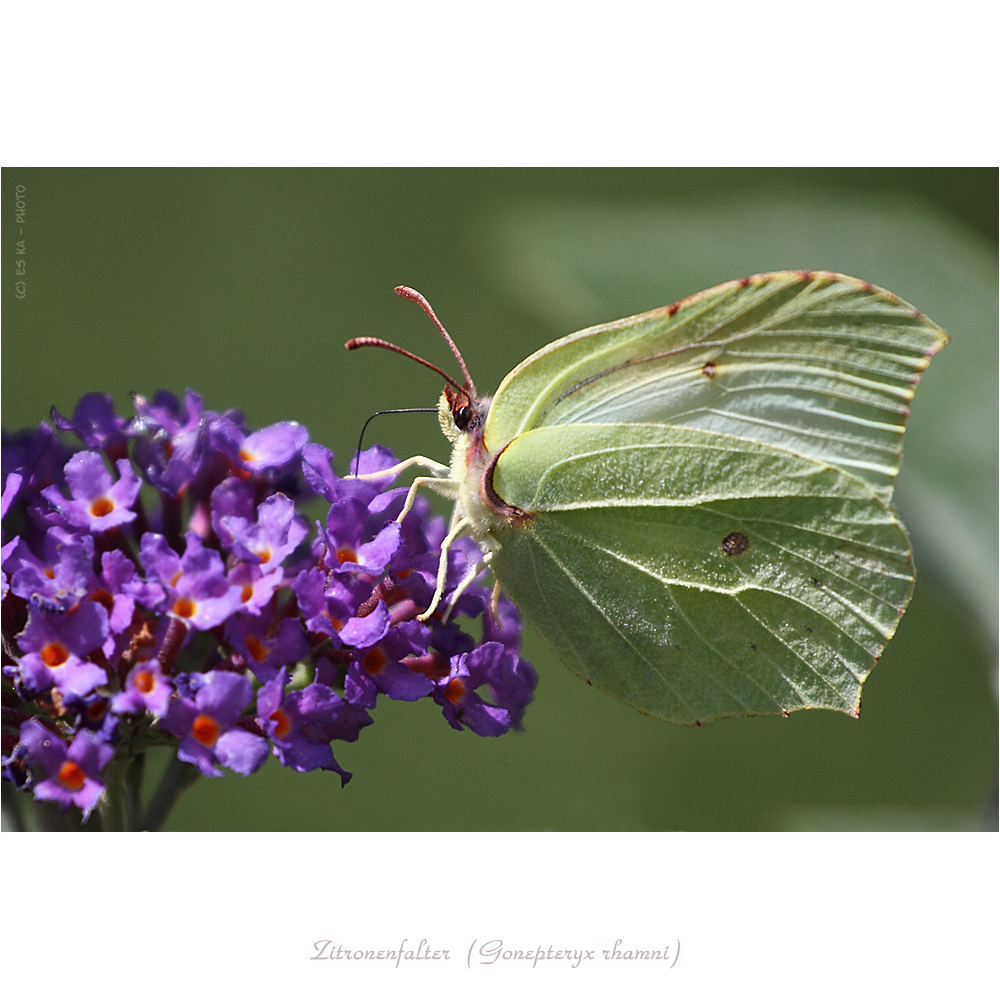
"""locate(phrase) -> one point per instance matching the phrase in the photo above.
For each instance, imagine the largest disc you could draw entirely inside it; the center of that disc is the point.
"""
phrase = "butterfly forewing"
(815, 363)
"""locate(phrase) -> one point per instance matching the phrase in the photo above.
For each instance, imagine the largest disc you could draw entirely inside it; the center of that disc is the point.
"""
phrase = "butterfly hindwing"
(696, 575)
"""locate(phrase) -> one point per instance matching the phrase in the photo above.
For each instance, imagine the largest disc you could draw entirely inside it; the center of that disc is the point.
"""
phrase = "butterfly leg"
(440, 471)
(466, 582)
(459, 527)
(445, 487)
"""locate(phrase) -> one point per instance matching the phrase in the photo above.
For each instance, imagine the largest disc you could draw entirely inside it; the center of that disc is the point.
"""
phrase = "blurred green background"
(244, 284)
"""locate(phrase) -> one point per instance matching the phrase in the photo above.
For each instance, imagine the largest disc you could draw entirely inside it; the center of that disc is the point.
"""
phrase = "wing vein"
(583, 590)
(668, 586)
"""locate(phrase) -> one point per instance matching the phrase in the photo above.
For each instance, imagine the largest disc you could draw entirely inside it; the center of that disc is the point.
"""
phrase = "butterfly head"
(460, 412)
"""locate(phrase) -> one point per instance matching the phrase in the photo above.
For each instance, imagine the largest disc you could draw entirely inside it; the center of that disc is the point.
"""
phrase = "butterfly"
(692, 505)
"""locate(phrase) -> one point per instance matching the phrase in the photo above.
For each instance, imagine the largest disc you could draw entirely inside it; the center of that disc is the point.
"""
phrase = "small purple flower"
(256, 588)
(317, 467)
(61, 577)
(206, 725)
(96, 424)
(361, 534)
(232, 499)
(171, 444)
(512, 685)
(275, 535)
(397, 667)
(168, 414)
(90, 711)
(98, 502)
(346, 551)
(264, 647)
(109, 589)
(326, 605)
(146, 690)
(368, 629)
(72, 771)
(489, 664)
(302, 724)
(38, 455)
(55, 647)
(270, 448)
(194, 586)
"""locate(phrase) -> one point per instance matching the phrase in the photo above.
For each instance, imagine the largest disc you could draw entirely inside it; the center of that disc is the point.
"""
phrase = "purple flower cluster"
(186, 604)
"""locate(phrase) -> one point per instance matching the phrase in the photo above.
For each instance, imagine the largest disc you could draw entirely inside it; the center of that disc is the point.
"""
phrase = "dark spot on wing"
(735, 543)
(815, 582)
(709, 370)
(744, 282)
(673, 309)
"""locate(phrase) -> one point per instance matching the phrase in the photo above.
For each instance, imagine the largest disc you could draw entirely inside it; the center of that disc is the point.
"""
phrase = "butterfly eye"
(462, 416)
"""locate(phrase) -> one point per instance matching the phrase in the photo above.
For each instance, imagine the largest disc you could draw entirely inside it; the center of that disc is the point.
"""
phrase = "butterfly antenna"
(379, 413)
(356, 342)
(405, 292)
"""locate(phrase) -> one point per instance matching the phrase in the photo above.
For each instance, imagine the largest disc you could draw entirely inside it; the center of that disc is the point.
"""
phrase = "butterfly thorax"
(462, 421)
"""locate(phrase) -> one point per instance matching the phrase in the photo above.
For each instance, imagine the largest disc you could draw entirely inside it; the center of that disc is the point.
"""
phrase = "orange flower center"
(282, 720)
(103, 598)
(71, 776)
(205, 730)
(374, 661)
(184, 607)
(101, 507)
(346, 554)
(246, 593)
(257, 649)
(144, 681)
(55, 654)
(455, 690)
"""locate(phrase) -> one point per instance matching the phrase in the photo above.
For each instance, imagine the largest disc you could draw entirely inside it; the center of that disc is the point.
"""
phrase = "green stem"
(177, 777)
(133, 790)
(110, 804)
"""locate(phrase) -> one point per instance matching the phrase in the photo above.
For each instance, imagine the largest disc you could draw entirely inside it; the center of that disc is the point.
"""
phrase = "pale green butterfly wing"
(812, 362)
(623, 568)
(708, 529)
